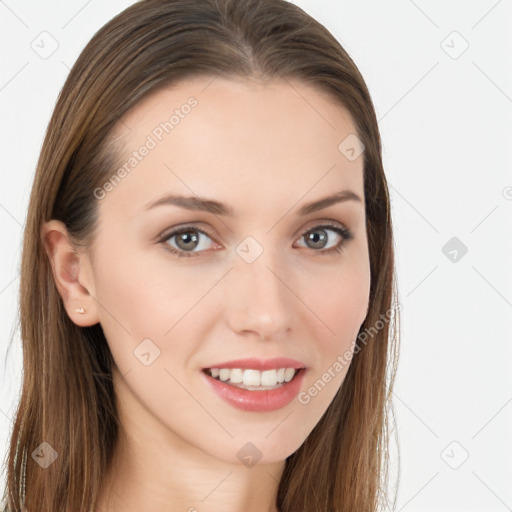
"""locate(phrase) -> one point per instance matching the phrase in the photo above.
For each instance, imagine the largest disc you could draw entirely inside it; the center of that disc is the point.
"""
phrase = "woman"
(207, 294)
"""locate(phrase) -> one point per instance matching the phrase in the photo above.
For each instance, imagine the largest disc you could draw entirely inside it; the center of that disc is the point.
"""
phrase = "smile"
(264, 392)
(253, 379)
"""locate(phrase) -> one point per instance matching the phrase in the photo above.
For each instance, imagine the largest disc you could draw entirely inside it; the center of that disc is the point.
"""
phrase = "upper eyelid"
(193, 226)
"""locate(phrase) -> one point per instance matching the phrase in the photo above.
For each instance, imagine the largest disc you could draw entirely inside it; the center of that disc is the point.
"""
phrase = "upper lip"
(260, 364)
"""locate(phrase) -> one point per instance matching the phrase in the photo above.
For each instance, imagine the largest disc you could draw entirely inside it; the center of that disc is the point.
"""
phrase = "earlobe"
(68, 268)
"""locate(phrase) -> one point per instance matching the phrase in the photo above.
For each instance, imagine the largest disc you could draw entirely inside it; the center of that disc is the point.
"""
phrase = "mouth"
(252, 379)
(250, 389)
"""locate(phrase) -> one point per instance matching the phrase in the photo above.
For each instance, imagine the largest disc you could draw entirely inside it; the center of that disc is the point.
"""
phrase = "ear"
(72, 273)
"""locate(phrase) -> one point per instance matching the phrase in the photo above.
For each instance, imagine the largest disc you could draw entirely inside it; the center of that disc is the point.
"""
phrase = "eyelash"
(345, 234)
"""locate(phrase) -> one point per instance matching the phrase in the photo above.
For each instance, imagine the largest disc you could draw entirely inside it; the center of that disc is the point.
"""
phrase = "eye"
(318, 238)
(188, 239)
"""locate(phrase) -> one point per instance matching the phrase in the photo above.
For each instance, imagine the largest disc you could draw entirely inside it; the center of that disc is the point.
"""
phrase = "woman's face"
(259, 277)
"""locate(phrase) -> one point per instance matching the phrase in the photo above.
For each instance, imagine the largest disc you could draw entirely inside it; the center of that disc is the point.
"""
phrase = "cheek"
(146, 296)
(339, 300)
(154, 308)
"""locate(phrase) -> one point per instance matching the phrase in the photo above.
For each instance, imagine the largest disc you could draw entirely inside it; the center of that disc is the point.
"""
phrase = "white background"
(445, 124)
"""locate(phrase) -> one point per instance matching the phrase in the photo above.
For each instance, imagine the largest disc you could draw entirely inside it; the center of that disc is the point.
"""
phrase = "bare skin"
(265, 150)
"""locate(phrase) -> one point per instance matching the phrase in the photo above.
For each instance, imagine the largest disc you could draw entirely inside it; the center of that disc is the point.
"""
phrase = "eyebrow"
(217, 208)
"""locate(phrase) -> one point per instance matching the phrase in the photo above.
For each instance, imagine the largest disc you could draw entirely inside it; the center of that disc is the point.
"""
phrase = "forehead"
(237, 106)
(235, 140)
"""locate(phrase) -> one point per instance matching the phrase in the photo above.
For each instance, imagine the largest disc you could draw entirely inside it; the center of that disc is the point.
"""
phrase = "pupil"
(187, 238)
(318, 239)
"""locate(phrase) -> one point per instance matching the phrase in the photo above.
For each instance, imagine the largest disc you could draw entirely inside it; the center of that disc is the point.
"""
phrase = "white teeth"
(236, 376)
(224, 374)
(254, 378)
(269, 378)
(288, 374)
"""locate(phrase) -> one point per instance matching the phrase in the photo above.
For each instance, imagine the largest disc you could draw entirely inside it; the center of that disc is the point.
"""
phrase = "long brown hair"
(67, 395)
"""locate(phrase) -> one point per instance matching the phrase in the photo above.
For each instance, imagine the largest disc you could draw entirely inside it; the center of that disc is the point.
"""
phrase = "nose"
(259, 298)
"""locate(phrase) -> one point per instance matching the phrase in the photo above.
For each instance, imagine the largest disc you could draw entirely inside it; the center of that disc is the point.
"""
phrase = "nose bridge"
(259, 299)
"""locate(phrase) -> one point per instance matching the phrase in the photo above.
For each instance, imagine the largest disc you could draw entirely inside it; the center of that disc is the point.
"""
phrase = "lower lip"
(258, 401)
